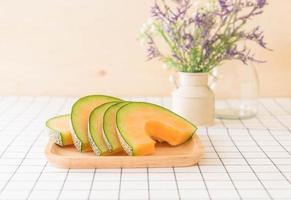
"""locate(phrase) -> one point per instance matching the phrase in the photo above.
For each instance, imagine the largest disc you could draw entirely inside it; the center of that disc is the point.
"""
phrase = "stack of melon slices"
(108, 125)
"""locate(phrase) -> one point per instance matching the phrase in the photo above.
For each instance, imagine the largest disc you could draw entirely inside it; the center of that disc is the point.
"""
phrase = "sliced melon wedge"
(109, 127)
(95, 134)
(59, 130)
(139, 124)
(80, 116)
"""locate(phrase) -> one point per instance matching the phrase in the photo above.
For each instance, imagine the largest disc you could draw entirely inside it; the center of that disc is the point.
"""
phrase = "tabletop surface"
(244, 159)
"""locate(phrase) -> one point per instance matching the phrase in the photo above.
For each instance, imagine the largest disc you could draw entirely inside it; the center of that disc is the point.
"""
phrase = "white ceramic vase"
(193, 99)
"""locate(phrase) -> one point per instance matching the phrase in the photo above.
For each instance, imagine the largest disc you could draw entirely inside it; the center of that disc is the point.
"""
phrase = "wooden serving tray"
(165, 156)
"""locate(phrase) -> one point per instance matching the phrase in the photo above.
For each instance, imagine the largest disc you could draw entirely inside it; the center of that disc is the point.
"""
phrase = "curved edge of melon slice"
(129, 149)
(99, 147)
(126, 147)
(109, 119)
(79, 144)
(94, 147)
(60, 137)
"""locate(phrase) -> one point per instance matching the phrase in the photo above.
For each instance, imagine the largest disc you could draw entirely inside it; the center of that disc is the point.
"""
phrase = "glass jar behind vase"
(236, 88)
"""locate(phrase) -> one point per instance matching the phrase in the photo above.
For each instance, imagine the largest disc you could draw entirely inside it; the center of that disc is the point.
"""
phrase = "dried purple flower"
(152, 52)
(223, 5)
(258, 36)
(261, 3)
(207, 48)
(189, 41)
(198, 19)
(200, 41)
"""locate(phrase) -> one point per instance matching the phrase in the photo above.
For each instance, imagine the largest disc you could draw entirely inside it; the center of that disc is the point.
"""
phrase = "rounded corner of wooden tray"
(187, 154)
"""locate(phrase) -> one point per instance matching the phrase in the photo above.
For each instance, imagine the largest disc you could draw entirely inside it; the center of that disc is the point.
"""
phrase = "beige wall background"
(76, 47)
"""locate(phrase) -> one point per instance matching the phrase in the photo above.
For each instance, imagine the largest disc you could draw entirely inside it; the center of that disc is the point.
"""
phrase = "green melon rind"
(95, 148)
(108, 145)
(55, 134)
(126, 146)
(105, 136)
(76, 140)
(56, 137)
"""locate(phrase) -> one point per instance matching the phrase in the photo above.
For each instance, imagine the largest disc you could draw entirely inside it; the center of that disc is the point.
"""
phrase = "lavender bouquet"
(199, 37)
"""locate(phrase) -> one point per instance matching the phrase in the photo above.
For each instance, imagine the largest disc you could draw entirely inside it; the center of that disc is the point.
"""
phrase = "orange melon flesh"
(163, 132)
(59, 130)
(80, 116)
(139, 124)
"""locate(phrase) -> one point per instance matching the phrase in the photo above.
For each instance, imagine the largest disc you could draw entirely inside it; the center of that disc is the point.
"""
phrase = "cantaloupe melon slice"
(139, 124)
(109, 127)
(59, 130)
(95, 126)
(80, 116)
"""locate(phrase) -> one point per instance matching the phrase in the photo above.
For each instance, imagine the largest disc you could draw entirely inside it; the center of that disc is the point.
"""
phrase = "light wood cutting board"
(165, 156)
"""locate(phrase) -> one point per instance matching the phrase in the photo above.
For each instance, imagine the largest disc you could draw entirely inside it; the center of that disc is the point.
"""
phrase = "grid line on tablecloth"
(30, 146)
(231, 180)
(204, 182)
(43, 168)
(282, 107)
(176, 183)
(33, 142)
(29, 105)
(9, 105)
(92, 182)
(248, 131)
(231, 167)
(120, 183)
(29, 194)
(63, 184)
(270, 132)
(253, 171)
(5, 126)
(28, 149)
(148, 184)
(275, 117)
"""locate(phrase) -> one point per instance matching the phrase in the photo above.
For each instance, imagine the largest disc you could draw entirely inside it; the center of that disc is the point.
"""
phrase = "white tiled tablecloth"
(244, 159)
